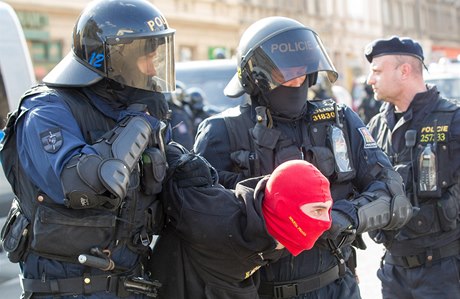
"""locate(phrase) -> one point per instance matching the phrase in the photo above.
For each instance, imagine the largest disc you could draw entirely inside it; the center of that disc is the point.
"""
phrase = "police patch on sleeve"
(51, 140)
(369, 141)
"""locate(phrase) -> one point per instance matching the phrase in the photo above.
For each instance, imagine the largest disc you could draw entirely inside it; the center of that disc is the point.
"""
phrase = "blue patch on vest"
(51, 140)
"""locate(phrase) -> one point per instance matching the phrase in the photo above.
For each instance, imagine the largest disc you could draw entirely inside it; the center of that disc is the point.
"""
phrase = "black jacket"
(215, 241)
(436, 224)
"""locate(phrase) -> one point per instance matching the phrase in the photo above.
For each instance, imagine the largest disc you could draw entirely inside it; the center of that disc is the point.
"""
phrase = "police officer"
(420, 132)
(369, 106)
(278, 60)
(181, 118)
(217, 238)
(197, 99)
(84, 156)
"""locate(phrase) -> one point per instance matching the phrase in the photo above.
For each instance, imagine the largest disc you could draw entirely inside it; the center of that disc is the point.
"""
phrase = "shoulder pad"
(40, 88)
(236, 111)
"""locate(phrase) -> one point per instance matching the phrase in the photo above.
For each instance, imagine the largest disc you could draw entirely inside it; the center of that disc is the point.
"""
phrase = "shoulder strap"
(239, 137)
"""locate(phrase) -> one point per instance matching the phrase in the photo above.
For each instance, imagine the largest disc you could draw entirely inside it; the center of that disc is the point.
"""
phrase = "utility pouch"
(422, 222)
(322, 158)
(447, 209)
(245, 161)
(66, 233)
(154, 167)
(155, 217)
(15, 234)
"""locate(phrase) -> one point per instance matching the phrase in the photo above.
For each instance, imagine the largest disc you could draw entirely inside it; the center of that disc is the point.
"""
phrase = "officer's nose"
(296, 82)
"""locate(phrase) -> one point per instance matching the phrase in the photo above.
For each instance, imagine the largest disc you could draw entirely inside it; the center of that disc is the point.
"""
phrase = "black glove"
(193, 171)
(148, 101)
(344, 220)
(188, 169)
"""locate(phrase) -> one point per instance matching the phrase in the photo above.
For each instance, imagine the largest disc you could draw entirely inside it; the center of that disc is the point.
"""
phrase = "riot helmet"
(197, 98)
(178, 97)
(127, 41)
(275, 50)
(181, 92)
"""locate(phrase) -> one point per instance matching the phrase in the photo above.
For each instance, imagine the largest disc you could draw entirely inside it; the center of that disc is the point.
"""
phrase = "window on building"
(46, 51)
(185, 53)
(387, 15)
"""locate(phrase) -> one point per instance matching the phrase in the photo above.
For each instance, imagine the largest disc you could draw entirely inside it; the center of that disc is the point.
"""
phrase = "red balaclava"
(290, 186)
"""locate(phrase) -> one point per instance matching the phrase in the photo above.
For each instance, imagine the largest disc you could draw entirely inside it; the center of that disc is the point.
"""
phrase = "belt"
(289, 289)
(430, 255)
(76, 285)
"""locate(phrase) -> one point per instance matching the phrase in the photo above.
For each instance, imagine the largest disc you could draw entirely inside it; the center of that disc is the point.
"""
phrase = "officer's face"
(295, 75)
(385, 78)
(317, 210)
(146, 64)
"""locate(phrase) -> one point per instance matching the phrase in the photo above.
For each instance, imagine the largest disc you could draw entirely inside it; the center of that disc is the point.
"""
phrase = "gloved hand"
(136, 110)
(193, 171)
(155, 103)
(188, 169)
(344, 220)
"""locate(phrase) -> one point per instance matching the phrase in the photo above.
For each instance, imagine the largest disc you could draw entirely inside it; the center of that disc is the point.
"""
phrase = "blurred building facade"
(207, 29)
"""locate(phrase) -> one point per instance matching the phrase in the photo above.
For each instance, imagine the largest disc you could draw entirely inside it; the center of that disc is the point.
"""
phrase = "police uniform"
(427, 249)
(422, 257)
(83, 154)
(47, 136)
(279, 60)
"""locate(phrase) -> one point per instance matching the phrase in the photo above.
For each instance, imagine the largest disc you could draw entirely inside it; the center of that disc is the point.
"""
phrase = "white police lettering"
(292, 47)
(156, 23)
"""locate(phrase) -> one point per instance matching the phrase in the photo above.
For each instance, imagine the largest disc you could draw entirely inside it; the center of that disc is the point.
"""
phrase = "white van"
(16, 76)
(16, 71)
(211, 76)
(445, 74)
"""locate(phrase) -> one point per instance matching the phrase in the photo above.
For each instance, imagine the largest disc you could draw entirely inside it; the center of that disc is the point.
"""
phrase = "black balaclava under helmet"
(288, 102)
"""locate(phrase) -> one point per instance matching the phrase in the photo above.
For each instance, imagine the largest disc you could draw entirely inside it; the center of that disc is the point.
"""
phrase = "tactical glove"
(344, 220)
(188, 169)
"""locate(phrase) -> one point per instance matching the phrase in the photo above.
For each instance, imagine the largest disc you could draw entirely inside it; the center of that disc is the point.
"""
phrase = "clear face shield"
(144, 63)
(287, 56)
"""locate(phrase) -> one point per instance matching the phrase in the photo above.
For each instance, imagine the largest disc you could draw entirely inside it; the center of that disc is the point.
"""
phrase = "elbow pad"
(94, 180)
(380, 210)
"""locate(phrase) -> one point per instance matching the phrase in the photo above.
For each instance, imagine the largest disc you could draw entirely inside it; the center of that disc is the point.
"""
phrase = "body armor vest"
(77, 231)
(438, 210)
(266, 147)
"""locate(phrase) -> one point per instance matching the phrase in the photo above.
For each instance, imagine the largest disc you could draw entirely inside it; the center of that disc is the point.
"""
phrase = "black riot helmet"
(275, 50)
(197, 98)
(127, 41)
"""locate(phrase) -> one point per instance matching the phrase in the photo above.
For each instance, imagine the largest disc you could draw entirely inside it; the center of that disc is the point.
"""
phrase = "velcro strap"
(288, 289)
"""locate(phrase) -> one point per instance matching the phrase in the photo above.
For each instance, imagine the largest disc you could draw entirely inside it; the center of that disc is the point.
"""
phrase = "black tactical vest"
(438, 210)
(77, 231)
(267, 147)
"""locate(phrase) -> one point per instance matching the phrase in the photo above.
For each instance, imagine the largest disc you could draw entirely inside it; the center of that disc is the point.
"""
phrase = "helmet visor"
(287, 56)
(144, 63)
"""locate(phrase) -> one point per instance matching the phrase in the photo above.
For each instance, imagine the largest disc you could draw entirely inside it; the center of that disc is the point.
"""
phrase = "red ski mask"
(292, 185)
